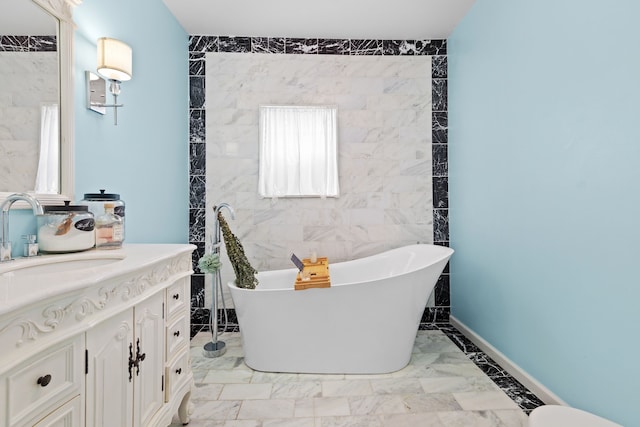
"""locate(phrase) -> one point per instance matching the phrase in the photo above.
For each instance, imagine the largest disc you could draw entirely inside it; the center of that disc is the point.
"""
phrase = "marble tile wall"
(223, 111)
(28, 78)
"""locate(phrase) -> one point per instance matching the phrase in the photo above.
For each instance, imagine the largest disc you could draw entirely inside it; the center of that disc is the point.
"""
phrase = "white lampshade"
(114, 59)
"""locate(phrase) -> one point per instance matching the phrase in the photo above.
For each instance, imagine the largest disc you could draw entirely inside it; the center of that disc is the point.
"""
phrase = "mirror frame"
(62, 10)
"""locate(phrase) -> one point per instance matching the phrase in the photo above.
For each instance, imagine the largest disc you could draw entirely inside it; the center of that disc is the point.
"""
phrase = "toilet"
(565, 416)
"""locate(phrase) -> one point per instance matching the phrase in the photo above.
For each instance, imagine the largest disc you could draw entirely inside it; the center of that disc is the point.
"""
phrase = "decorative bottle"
(109, 229)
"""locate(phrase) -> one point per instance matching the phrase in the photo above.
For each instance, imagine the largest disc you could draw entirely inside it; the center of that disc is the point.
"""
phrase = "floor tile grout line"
(518, 393)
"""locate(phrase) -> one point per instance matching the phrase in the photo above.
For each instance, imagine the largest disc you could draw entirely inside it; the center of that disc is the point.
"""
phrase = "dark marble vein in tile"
(334, 46)
(439, 153)
(276, 45)
(439, 94)
(440, 195)
(197, 254)
(408, 47)
(428, 327)
(487, 364)
(439, 127)
(199, 320)
(197, 160)
(197, 290)
(521, 395)
(197, 192)
(392, 47)
(197, 125)
(439, 67)
(196, 92)
(199, 43)
(436, 47)
(463, 343)
(260, 45)
(441, 291)
(424, 47)
(234, 44)
(435, 315)
(365, 47)
(43, 44)
(196, 225)
(9, 43)
(441, 225)
(196, 63)
(301, 46)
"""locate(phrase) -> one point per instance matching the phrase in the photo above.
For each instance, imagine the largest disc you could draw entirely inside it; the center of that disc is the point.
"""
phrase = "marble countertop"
(24, 281)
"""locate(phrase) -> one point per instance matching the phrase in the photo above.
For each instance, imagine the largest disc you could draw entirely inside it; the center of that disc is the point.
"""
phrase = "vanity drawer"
(176, 373)
(177, 335)
(43, 382)
(69, 414)
(178, 298)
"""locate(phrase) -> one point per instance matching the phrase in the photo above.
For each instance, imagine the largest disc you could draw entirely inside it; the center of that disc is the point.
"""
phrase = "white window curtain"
(47, 179)
(298, 152)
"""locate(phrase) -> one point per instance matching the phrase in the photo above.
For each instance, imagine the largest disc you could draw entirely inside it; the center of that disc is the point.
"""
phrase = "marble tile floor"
(449, 382)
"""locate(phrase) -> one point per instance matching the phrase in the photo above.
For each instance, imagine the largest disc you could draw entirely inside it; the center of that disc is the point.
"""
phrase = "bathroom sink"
(52, 264)
(43, 274)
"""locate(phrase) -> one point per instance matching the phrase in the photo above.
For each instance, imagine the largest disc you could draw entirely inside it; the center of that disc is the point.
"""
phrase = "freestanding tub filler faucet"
(216, 348)
(5, 239)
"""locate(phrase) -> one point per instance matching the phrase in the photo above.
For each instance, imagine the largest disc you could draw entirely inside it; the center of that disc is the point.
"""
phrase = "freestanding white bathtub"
(365, 323)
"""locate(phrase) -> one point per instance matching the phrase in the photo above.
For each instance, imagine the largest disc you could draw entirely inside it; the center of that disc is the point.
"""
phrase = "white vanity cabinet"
(126, 363)
(100, 346)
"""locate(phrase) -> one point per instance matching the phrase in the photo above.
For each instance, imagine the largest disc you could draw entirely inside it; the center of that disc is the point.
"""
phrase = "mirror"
(36, 98)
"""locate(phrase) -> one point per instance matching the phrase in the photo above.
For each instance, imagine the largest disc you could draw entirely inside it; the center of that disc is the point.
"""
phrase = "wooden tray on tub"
(318, 275)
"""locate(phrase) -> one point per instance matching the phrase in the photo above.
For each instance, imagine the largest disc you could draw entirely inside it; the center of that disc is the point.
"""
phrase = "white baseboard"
(546, 395)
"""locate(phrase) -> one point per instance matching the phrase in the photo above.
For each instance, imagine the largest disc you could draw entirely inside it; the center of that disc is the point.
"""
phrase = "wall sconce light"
(115, 65)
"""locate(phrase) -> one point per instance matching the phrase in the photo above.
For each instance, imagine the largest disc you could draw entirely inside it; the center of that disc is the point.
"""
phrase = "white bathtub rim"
(444, 255)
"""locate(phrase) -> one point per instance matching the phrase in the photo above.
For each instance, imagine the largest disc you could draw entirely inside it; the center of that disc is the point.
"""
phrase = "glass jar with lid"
(97, 201)
(68, 228)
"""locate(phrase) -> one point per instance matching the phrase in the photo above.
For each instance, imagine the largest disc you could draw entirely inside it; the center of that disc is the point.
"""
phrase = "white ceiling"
(351, 19)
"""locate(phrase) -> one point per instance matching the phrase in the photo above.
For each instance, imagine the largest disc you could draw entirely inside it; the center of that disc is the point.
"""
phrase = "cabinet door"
(149, 338)
(109, 385)
(68, 415)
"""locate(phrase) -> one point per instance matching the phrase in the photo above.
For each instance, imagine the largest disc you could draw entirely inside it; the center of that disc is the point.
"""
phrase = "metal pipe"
(216, 348)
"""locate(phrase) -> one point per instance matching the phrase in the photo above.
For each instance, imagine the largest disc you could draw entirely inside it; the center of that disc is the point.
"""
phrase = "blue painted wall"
(544, 164)
(145, 157)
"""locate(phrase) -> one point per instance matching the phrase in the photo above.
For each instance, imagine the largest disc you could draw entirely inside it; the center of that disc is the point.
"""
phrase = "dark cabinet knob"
(176, 296)
(176, 334)
(179, 371)
(44, 380)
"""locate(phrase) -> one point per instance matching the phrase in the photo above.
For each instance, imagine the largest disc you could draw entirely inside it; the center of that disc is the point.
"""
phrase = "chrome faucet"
(5, 242)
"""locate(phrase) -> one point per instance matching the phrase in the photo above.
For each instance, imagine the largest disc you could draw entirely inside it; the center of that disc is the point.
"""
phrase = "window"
(298, 152)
